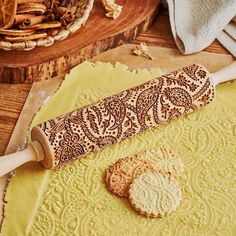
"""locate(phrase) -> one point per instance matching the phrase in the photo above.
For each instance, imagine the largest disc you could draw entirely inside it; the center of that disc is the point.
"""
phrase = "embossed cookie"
(155, 194)
(119, 175)
(165, 160)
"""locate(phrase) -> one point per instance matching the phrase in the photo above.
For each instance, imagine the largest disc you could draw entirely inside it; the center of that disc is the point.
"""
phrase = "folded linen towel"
(228, 38)
(196, 23)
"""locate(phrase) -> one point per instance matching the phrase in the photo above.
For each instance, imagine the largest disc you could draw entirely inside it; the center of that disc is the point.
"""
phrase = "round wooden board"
(99, 34)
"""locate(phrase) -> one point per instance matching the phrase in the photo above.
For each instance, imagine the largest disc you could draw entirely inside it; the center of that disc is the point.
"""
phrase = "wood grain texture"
(99, 34)
(12, 97)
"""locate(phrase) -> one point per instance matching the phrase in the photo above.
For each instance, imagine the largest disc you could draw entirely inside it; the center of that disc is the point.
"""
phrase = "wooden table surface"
(12, 97)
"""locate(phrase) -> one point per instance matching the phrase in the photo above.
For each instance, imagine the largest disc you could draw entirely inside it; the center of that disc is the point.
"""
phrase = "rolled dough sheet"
(73, 200)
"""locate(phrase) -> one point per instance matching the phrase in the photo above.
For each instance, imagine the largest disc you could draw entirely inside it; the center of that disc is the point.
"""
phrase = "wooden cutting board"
(99, 34)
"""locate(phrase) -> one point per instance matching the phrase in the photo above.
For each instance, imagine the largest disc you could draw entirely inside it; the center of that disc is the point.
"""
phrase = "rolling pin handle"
(228, 73)
(33, 152)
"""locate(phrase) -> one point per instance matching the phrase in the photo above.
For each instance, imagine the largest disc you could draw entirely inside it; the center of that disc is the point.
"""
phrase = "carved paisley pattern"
(121, 116)
(178, 97)
(117, 110)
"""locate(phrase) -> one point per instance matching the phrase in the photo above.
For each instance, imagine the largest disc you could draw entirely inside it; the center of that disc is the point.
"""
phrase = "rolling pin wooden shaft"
(113, 119)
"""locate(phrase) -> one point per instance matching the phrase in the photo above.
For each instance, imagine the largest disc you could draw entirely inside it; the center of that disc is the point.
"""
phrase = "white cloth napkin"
(196, 23)
(228, 37)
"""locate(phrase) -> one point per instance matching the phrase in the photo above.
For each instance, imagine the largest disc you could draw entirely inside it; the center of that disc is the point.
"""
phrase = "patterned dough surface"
(120, 175)
(164, 159)
(74, 200)
(155, 194)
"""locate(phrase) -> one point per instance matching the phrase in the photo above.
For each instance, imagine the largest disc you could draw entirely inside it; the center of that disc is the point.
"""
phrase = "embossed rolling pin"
(113, 119)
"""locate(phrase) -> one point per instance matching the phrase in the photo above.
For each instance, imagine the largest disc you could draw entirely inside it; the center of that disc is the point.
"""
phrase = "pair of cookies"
(152, 191)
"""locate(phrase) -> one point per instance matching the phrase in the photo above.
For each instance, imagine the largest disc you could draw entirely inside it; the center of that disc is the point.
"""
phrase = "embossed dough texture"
(74, 200)
(155, 194)
(121, 116)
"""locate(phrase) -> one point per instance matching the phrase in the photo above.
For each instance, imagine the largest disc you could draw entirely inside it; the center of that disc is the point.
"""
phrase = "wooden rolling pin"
(78, 133)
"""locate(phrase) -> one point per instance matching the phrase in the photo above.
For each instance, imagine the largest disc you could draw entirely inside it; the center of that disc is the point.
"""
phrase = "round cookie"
(164, 160)
(155, 194)
(119, 175)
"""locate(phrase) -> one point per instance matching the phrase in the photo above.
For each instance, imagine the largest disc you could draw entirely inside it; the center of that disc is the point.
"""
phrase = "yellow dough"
(73, 200)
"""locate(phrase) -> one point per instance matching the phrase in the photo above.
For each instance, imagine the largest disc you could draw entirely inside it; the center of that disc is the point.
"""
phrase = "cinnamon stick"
(22, 17)
(51, 17)
(34, 21)
(29, 1)
(61, 11)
